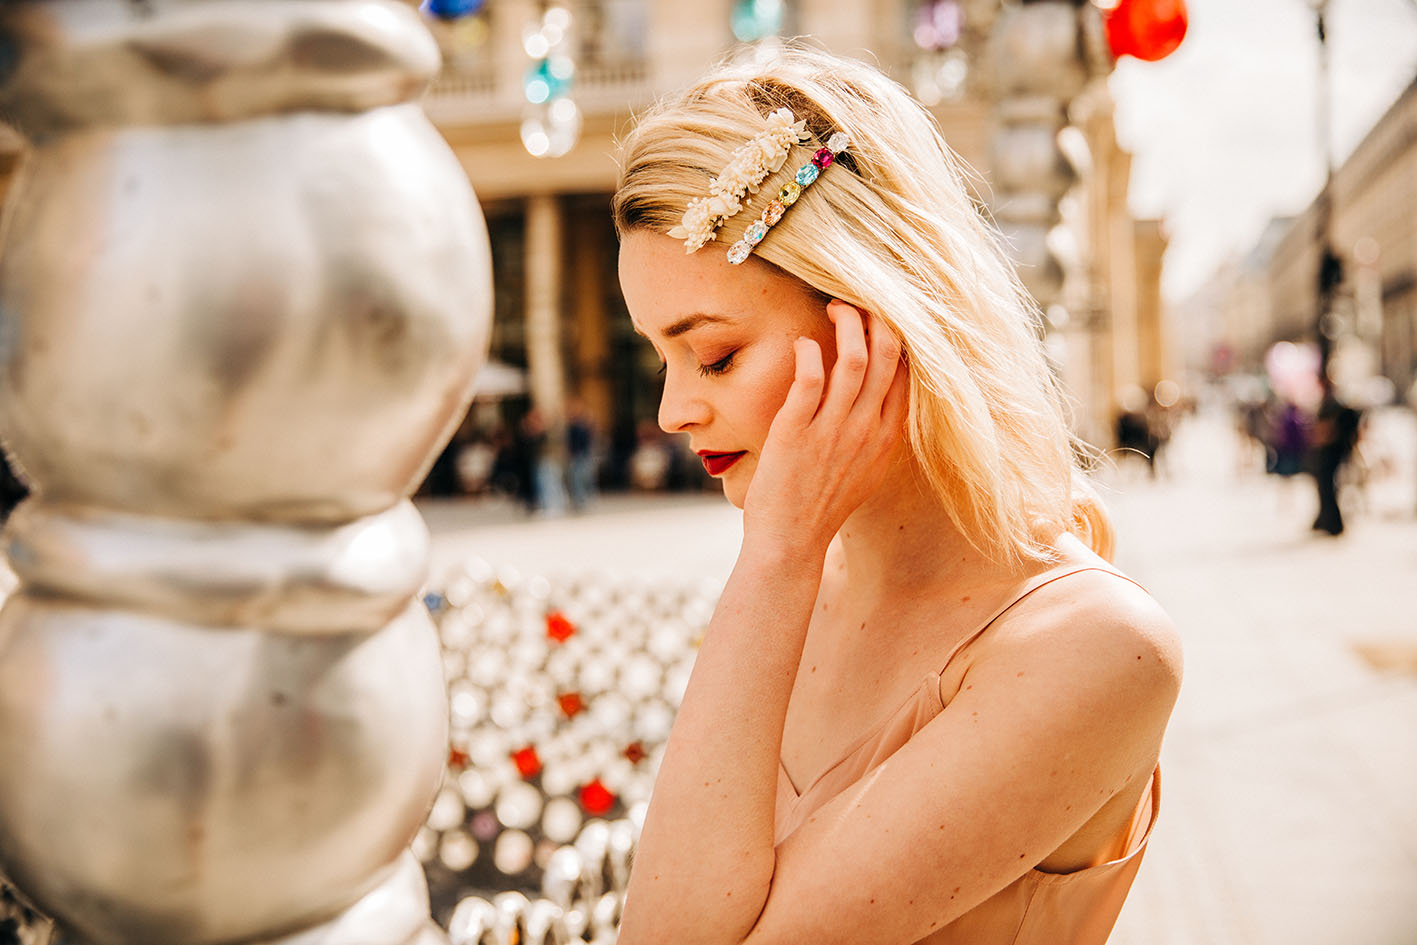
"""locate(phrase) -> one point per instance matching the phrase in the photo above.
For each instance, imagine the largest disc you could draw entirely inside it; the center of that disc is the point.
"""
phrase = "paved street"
(1290, 770)
(1291, 765)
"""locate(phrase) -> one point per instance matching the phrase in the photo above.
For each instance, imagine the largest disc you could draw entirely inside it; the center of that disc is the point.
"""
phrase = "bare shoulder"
(1097, 632)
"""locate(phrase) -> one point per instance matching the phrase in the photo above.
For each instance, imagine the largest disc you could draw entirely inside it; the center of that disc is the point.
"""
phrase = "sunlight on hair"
(892, 230)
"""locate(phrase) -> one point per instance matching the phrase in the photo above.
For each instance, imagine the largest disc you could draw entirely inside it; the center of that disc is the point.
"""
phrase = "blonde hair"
(890, 229)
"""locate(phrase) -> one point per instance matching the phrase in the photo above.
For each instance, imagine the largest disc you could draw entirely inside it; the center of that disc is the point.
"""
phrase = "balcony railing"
(492, 91)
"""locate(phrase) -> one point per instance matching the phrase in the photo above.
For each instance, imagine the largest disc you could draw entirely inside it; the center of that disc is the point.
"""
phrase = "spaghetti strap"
(931, 682)
(1033, 584)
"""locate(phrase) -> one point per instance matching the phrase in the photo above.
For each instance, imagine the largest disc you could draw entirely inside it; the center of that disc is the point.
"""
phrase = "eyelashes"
(720, 366)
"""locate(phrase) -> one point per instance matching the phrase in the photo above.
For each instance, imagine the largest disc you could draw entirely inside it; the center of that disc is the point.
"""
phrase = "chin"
(735, 493)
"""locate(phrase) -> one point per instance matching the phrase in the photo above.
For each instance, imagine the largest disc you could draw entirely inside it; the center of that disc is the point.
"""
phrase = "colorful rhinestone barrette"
(747, 168)
(787, 196)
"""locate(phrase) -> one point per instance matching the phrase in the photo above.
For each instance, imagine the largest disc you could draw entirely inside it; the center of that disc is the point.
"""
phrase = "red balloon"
(1146, 29)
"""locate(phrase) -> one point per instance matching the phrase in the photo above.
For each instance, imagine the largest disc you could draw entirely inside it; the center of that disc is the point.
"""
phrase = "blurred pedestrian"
(1134, 429)
(1335, 435)
(12, 489)
(475, 463)
(1289, 439)
(1160, 424)
(548, 491)
(1253, 436)
(528, 439)
(581, 454)
(649, 464)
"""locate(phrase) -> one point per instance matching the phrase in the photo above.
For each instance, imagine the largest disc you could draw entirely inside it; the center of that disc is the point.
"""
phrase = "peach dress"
(1038, 908)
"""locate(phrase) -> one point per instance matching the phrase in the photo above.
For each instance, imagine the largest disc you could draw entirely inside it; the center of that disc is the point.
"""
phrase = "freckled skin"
(761, 319)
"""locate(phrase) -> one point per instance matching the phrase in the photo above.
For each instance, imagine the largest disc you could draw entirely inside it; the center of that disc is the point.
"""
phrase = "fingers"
(896, 404)
(885, 364)
(805, 394)
(852, 360)
(868, 380)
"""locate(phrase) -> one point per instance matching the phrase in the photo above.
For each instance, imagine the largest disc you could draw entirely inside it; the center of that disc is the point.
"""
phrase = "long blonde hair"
(891, 229)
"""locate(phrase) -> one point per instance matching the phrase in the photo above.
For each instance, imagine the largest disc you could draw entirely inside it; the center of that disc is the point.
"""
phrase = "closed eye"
(718, 367)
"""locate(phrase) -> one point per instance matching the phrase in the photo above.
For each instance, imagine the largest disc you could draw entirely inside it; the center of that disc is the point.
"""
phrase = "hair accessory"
(790, 193)
(748, 166)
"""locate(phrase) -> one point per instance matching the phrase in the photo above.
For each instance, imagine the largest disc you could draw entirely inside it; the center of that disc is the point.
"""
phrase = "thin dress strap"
(1035, 583)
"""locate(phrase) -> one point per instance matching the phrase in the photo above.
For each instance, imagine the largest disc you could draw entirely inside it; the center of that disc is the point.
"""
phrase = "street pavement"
(1289, 812)
(1290, 769)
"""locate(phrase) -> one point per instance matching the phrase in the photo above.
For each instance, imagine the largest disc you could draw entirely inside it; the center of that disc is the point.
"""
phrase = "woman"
(926, 708)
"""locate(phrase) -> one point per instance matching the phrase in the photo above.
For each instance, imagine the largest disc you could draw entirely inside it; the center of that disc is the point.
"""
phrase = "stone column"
(1038, 65)
(1043, 53)
(244, 289)
(545, 365)
(544, 270)
(591, 266)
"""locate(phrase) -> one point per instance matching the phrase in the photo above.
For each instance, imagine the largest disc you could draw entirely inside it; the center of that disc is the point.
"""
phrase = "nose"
(680, 407)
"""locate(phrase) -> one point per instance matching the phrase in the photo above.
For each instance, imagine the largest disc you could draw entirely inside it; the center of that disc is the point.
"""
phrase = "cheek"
(767, 383)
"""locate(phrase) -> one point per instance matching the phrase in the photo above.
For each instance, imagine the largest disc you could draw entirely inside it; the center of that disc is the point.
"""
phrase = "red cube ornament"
(596, 798)
(558, 628)
(571, 703)
(528, 762)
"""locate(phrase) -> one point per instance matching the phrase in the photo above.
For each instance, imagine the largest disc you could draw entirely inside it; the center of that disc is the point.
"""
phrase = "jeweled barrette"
(790, 193)
(747, 167)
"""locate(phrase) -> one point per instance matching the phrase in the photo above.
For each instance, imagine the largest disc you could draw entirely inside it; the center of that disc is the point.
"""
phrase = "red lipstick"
(717, 463)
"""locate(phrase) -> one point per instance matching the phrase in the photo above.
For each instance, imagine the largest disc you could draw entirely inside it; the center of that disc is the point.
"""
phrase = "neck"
(903, 536)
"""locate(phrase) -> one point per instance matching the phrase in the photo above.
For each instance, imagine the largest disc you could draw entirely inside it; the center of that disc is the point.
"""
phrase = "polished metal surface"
(396, 910)
(166, 62)
(244, 291)
(273, 319)
(163, 782)
(295, 578)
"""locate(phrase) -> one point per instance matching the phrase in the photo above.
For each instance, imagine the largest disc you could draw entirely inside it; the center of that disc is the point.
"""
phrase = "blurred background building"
(533, 96)
(535, 125)
(560, 325)
(1270, 295)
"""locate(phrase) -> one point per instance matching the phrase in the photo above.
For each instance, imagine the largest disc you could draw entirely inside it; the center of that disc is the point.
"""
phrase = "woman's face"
(724, 334)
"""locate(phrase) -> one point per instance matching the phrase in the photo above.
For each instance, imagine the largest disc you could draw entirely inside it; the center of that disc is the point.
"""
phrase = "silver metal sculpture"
(244, 290)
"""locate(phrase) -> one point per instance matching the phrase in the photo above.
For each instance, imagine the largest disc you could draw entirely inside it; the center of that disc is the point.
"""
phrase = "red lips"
(717, 463)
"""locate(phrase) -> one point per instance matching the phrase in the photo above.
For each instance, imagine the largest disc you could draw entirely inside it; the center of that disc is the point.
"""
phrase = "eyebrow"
(684, 325)
(689, 322)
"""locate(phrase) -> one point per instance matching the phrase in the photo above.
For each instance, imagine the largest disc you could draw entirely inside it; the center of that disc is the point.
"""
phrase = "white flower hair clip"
(748, 166)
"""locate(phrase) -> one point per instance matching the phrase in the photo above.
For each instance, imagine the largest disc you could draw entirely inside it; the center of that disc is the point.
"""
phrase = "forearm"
(705, 860)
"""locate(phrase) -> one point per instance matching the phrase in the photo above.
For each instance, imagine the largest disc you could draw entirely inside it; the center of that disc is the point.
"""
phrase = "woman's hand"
(833, 439)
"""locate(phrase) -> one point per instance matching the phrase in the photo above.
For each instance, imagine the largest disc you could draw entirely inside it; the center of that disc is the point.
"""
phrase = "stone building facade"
(1374, 232)
(559, 316)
